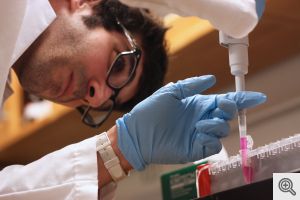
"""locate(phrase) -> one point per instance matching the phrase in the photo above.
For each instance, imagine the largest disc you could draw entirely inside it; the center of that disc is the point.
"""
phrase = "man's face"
(68, 64)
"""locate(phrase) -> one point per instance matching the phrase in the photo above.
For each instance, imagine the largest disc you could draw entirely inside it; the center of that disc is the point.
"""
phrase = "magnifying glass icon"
(286, 185)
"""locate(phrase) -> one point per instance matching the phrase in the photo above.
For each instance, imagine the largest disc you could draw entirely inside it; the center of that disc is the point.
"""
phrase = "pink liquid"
(248, 174)
(246, 163)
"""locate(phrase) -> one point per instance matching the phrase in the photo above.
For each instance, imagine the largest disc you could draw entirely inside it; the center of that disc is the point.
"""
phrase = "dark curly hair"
(138, 21)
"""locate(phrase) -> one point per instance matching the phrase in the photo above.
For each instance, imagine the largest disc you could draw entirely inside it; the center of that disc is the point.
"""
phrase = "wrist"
(113, 137)
(112, 165)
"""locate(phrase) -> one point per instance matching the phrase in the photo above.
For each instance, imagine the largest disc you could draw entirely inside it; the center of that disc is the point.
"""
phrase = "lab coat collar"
(27, 20)
(38, 16)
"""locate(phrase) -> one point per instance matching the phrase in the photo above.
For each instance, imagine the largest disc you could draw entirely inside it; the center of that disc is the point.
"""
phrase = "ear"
(81, 4)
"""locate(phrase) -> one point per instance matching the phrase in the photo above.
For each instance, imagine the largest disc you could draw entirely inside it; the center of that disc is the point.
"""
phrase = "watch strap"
(109, 158)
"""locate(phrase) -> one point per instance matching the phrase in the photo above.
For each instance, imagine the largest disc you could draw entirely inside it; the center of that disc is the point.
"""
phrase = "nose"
(97, 94)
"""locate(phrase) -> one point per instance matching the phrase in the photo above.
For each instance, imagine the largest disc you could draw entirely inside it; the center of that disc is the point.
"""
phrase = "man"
(99, 56)
(77, 50)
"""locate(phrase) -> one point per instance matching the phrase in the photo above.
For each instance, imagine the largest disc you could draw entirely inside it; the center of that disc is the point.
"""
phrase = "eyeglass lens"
(96, 116)
(122, 70)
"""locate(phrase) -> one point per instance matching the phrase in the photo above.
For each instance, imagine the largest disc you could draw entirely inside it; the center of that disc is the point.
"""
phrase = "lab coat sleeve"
(67, 174)
(234, 17)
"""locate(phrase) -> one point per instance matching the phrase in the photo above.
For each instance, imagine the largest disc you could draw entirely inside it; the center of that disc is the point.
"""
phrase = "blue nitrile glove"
(177, 125)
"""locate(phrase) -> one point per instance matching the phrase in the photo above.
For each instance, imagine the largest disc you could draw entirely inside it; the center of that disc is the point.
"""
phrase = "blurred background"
(31, 128)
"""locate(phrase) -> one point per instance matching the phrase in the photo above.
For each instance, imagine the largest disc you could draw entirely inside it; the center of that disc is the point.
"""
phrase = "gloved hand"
(177, 124)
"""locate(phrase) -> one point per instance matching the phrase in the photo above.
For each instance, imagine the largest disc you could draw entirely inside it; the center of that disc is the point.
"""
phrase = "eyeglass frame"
(136, 51)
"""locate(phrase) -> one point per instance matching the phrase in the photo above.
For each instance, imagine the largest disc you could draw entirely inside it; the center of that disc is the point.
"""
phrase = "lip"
(68, 87)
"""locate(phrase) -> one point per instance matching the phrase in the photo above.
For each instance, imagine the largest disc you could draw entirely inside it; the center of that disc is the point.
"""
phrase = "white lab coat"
(236, 18)
(70, 173)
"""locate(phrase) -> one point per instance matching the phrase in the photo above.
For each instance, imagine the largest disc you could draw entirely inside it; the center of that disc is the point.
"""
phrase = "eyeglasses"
(120, 74)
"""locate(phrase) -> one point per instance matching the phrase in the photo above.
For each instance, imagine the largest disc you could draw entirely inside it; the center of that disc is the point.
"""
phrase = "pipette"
(238, 61)
(242, 121)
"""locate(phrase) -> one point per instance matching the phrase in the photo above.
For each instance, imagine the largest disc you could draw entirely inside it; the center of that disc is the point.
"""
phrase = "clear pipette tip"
(244, 148)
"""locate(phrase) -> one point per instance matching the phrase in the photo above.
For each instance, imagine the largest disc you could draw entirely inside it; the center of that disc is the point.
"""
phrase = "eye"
(119, 65)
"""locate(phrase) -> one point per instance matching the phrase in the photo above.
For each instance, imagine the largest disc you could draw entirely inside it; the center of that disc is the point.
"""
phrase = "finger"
(189, 86)
(244, 99)
(226, 109)
(214, 127)
(204, 146)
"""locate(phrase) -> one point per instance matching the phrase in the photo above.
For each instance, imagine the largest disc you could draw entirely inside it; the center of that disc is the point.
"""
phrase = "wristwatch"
(109, 158)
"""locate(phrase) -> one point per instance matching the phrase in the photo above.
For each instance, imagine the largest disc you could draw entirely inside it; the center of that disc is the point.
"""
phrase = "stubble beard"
(56, 51)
